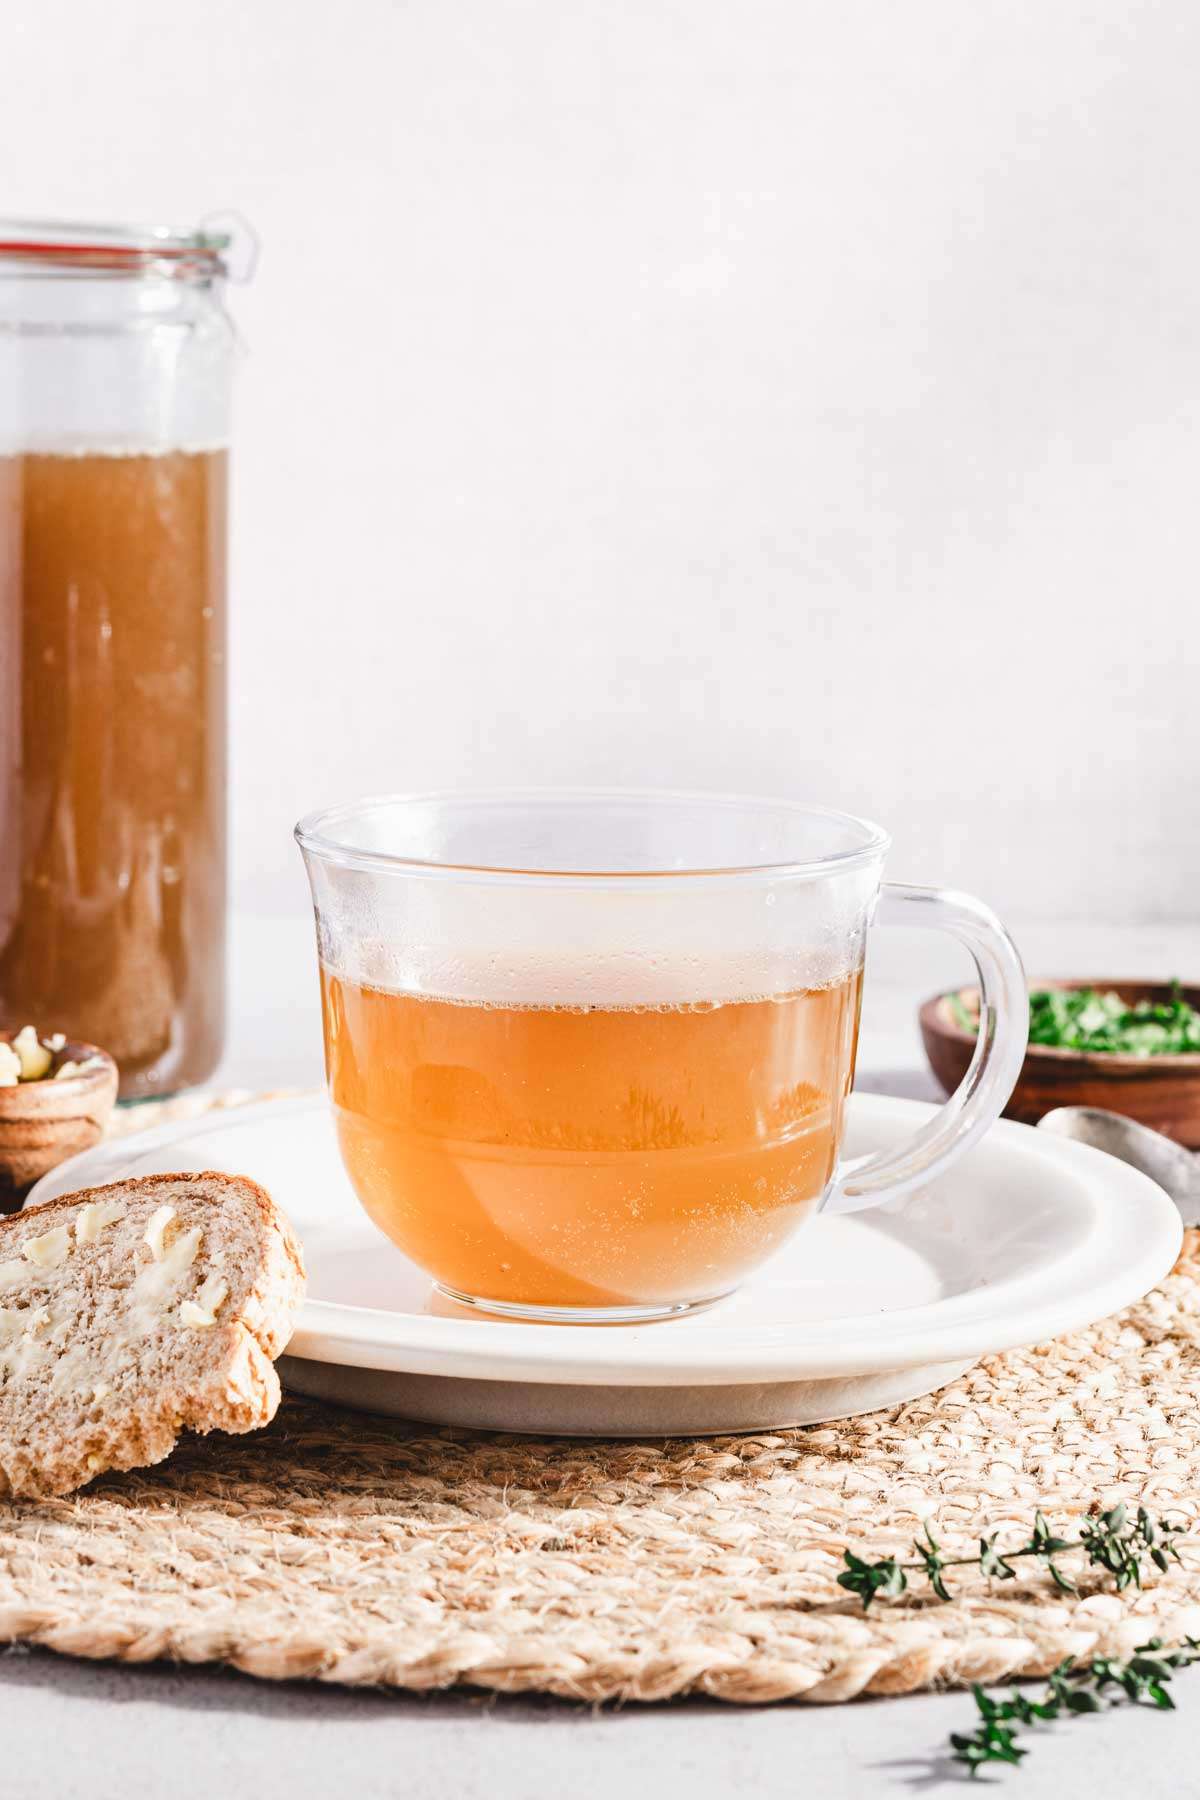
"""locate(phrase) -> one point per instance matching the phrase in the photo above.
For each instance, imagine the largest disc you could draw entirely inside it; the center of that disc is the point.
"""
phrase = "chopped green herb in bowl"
(1129, 1047)
(1098, 1022)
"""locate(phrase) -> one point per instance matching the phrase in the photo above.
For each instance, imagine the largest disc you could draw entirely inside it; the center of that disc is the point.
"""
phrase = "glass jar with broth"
(116, 357)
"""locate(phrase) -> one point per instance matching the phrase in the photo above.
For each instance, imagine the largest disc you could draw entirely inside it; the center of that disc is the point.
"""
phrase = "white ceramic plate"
(1027, 1237)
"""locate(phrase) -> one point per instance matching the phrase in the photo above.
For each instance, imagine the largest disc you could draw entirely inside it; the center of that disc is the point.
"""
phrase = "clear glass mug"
(588, 1052)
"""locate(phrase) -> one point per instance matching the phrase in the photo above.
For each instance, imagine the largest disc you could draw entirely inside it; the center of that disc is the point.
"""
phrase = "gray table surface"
(74, 1731)
(103, 1732)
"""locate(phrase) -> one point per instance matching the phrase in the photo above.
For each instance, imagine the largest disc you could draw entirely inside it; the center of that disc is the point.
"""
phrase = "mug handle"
(980, 1096)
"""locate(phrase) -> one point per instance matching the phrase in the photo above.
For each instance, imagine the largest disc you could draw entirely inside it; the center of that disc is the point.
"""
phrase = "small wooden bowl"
(1159, 1091)
(44, 1122)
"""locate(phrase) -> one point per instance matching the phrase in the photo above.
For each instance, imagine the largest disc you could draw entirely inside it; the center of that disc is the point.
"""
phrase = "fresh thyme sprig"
(1113, 1542)
(1142, 1680)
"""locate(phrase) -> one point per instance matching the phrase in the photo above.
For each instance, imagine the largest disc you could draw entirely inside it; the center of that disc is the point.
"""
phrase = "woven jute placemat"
(361, 1550)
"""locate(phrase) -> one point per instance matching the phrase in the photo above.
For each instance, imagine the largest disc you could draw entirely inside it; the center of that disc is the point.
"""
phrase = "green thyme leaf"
(885, 1579)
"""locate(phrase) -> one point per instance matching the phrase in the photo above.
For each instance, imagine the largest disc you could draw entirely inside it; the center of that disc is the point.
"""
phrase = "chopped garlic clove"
(49, 1250)
(213, 1294)
(35, 1059)
(55, 1042)
(154, 1234)
(182, 1253)
(78, 1068)
(10, 1065)
(191, 1314)
(92, 1219)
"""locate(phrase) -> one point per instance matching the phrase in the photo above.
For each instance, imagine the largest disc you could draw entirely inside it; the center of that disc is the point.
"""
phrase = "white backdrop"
(795, 397)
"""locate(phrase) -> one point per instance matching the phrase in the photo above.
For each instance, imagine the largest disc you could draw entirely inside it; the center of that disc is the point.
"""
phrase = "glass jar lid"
(63, 248)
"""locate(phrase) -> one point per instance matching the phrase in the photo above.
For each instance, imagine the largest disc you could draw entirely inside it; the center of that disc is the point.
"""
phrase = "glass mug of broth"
(589, 1052)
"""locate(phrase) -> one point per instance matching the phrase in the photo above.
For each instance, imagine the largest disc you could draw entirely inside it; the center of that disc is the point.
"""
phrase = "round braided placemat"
(361, 1550)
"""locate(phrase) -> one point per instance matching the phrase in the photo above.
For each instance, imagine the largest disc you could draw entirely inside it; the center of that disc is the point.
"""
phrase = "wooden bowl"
(44, 1122)
(1160, 1091)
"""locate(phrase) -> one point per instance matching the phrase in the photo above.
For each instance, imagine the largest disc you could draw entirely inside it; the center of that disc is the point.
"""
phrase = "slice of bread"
(130, 1312)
